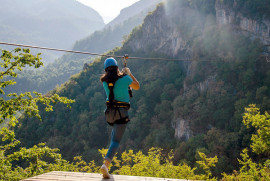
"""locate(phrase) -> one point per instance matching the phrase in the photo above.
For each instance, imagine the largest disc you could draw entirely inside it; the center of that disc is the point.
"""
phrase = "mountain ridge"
(47, 23)
(204, 98)
(99, 42)
(138, 7)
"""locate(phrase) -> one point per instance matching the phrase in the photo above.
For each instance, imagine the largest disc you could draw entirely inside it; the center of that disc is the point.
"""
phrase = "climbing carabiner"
(125, 57)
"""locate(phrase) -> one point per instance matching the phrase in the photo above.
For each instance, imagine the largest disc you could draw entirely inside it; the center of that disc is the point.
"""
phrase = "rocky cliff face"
(163, 32)
(160, 34)
(182, 129)
(257, 28)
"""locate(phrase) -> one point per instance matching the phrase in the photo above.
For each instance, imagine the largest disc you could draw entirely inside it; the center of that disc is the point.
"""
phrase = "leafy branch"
(30, 104)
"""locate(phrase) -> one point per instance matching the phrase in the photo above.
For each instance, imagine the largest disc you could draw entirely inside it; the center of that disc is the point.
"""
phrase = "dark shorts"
(116, 115)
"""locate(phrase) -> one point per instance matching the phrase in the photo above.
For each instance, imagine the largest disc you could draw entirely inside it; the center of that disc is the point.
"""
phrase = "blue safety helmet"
(110, 62)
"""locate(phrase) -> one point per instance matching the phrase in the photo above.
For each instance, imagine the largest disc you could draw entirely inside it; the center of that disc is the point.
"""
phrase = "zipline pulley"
(125, 57)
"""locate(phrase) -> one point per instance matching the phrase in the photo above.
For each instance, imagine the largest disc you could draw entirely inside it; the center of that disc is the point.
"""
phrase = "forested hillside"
(187, 106)
(69, 64)
(47, 23)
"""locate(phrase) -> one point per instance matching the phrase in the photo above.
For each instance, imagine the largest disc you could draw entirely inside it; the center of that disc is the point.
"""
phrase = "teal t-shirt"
(120, 89)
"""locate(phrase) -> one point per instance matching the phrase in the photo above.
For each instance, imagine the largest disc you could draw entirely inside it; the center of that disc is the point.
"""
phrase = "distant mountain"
(185, 106)
(113, 34)
(99, 42)
(142, 7)
(47, 22)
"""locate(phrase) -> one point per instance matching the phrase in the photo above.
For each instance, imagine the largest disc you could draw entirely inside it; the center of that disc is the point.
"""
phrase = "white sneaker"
(104, 170)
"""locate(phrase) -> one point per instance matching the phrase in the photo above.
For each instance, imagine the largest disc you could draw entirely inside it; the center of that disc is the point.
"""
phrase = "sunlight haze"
(108, 9)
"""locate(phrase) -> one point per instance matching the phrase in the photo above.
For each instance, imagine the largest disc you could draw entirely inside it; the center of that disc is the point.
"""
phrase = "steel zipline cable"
(89, 53)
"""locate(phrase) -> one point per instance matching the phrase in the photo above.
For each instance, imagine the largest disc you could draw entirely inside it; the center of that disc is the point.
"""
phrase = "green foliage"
(35, 159)
(261, 140)
(206, 164)
(61, 69)
(9, 108)
(11, 62)
(258, 9)
(251, 170)
(209, 95)
(158, 164)
(205, 6)
(155, 164)
(28, 162)
(18, 162)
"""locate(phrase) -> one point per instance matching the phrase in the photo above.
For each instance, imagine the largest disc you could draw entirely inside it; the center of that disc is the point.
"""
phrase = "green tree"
(260, 140)
(17, 162)
(158, 164)
(249, 169)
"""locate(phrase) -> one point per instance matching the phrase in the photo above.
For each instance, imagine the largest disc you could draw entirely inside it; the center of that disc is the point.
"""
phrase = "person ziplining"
(116, 85)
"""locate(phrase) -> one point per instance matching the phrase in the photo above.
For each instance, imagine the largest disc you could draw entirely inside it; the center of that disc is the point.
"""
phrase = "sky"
(108, 9)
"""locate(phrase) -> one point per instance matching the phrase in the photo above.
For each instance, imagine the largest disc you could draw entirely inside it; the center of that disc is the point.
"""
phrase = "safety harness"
(116, 111)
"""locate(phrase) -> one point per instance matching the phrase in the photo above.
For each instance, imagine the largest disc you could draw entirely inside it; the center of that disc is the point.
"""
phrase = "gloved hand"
(126, 71)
